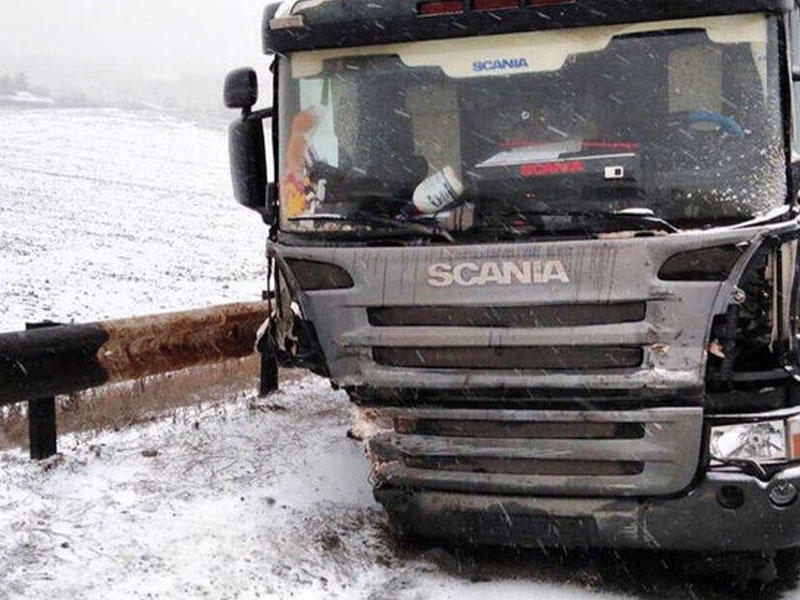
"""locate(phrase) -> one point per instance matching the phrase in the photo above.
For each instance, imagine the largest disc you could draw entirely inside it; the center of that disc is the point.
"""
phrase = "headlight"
(761, 442)
(314, 276)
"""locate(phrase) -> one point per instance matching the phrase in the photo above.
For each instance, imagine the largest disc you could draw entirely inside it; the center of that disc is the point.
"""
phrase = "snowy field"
(107, 214)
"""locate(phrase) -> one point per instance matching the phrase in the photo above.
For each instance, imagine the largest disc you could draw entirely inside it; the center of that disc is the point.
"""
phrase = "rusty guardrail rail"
(48, 360)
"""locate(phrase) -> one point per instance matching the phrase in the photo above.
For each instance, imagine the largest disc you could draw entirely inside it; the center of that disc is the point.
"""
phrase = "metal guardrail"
(50, 359)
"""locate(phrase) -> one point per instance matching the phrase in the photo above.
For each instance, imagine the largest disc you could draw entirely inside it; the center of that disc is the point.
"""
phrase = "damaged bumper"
(727, 511)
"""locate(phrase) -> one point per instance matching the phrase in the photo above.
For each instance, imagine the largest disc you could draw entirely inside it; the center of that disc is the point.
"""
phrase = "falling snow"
(112, 213)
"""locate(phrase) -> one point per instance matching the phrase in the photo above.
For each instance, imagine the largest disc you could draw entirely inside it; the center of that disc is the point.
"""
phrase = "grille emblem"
(470, 274)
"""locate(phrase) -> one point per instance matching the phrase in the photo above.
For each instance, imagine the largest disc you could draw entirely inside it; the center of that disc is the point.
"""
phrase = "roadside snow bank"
(228, 500)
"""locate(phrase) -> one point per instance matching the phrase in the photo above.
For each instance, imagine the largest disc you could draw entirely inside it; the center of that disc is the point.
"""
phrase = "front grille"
(560, 358)
(523, 452)
(566, 315)
(527, 466)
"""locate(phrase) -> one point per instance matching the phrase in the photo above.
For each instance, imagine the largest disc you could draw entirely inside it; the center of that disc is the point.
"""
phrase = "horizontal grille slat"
(524, 466)
(511, 358)
(567, 315)
(519, 429)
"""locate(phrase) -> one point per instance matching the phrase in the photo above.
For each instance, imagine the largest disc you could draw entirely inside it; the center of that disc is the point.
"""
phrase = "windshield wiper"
(367, 219)
(587, 221)
(643, 215)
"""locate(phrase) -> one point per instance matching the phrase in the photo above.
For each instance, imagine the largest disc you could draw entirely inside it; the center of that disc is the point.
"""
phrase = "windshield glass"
(511, 133)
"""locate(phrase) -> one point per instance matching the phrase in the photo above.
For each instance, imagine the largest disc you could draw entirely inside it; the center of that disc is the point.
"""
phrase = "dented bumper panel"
(694, 522)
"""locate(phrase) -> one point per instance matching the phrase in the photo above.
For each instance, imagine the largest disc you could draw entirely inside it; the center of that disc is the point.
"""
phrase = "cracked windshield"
(654, 126)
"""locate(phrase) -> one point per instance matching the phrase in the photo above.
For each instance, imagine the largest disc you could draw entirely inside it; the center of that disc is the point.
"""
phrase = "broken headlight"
(763, 441)
(706, 264)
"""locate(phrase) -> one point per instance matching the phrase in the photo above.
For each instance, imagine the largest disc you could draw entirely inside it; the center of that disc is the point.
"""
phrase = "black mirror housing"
(241, 89)
(249, 165)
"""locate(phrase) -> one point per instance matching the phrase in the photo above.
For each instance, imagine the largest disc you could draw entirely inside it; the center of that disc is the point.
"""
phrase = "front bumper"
(694, 522)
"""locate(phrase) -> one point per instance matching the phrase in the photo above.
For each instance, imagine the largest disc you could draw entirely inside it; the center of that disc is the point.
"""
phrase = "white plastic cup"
(438, 191)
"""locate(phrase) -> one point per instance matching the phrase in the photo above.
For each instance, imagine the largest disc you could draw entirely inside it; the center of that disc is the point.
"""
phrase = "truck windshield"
(529, 132)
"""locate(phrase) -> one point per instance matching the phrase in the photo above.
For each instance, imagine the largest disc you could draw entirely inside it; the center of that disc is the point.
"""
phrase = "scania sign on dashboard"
(470, 274)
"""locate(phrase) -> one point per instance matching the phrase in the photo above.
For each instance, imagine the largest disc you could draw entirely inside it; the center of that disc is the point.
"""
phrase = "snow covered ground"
(107, 213)
(236, 499)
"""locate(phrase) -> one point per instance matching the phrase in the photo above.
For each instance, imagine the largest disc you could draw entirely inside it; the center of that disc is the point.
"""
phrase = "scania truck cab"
(549, 249)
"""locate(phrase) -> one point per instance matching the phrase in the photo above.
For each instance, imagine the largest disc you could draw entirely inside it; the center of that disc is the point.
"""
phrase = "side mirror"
(241, 89)
(246, 145)
(248, 160)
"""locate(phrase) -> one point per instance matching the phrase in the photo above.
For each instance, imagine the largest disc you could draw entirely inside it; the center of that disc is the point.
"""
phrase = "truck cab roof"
(295, 25)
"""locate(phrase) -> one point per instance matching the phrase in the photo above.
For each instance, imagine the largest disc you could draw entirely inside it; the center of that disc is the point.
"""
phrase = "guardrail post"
(42, 429)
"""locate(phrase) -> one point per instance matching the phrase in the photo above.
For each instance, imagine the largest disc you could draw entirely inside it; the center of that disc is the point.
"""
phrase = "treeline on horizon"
(193, 95)
(12, 84)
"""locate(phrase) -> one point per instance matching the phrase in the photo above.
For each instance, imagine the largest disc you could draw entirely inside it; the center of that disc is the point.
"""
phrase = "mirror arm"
(270, 216)
(259, 115)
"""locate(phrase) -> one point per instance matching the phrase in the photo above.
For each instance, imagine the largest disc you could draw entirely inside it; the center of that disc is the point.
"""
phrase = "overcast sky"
(151, 38)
